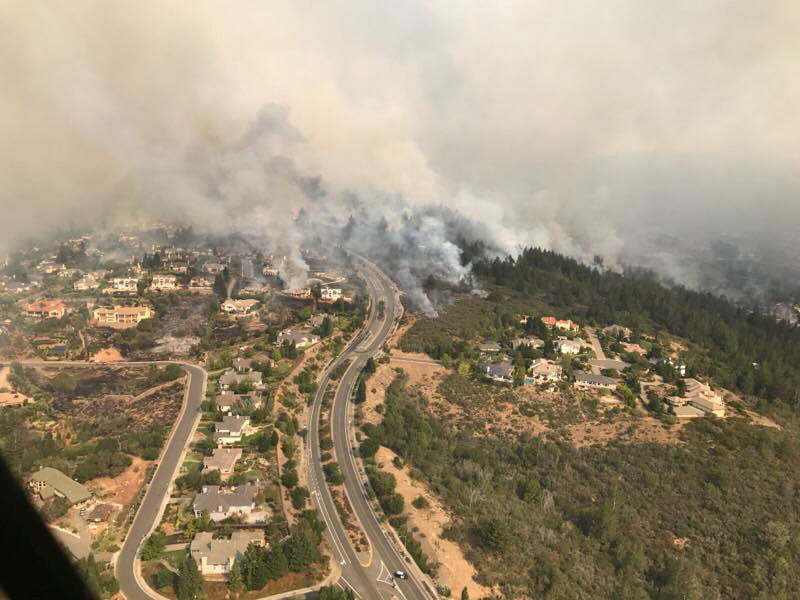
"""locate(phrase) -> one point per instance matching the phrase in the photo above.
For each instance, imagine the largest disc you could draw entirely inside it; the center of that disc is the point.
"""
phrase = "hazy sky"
(582, 126)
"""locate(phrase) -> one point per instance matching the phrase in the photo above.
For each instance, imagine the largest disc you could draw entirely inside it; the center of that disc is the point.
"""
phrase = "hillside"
(655, 507)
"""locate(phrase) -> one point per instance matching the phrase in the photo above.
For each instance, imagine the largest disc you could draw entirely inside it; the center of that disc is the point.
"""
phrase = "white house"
(164, 282)
(544, 371)
(126, 285)
(330, 294)
(239, 308)
(216, 556)
(566, 346)
(231, 429)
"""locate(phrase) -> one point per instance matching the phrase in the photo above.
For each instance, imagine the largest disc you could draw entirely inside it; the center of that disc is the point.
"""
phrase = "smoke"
(608, 130)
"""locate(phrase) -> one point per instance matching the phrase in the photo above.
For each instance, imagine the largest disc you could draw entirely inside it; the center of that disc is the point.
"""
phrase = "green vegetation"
(296, 554)
(99, 578)
(712, 517)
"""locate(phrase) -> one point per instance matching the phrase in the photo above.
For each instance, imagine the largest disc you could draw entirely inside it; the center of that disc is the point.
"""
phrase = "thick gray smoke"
(619, 130)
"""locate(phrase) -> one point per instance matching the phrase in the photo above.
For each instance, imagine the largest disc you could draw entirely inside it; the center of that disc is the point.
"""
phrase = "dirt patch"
(632, 430)
(9, 397)
(376, 390)
(123, 488)
(106, 355)
(406, 323)
(454, 570)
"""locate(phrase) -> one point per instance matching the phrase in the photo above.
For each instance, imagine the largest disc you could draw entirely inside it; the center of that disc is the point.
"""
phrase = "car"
(400, 574)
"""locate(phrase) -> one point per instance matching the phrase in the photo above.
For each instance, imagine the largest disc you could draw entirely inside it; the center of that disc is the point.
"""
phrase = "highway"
(373, 581)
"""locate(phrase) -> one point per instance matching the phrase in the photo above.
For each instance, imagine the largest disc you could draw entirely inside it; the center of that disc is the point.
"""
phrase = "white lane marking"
(350, 585)
(328, 523)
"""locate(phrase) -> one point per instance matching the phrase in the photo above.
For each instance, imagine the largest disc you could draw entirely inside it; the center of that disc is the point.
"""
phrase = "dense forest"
(714, 517)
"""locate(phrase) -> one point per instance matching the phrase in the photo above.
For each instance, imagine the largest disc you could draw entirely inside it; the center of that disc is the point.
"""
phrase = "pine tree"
(190, 582)
(464, 594)
(254, 572)
(276, 563)
(235, 580)
(300, 551)
(361, 392)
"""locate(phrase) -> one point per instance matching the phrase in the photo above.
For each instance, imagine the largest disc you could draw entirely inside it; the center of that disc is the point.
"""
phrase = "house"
(216, 556)
(301, 294)
(544, 371)
(702, 397)
(489, 347)
(121, 316)
(226, 401)
(212, 268)
(87, 282)
(126, 285)
(242, 364)
(686, 411)
(164, 282)
(617, 332)
(501, 372)
(48, 481)
(301, 339)
(222, 460)
(565, 346)
(549, 322)
(201, 285)
(239, 308)
(45, 309)
(231, 377)
(231, 429)
(566, 325)
(330, 294)
(590, 381)
(224, 503)
(269, 271)
(100, 513)
(533, 342)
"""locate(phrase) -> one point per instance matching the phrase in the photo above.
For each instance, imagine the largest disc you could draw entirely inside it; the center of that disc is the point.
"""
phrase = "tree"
(87, 567)
(369, 447)
(370, 367)
(190, 582)
(289, 478)
(235, 579)
(464, 594)
(254, 571)
(153, 546)
(361, 392)
(392, 504)
(300, 551)
(275, 562)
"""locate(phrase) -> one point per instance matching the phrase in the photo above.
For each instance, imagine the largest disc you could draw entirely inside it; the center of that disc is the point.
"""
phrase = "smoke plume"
(613, 130)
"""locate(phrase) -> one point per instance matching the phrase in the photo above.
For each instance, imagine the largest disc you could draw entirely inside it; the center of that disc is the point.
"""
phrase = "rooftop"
(69, 488)
(213, 498)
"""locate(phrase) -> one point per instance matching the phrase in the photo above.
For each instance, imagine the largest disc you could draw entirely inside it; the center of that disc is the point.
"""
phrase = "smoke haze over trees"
(609, 132)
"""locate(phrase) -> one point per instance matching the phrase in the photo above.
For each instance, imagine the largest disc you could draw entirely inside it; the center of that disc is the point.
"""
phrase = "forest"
(713, 517)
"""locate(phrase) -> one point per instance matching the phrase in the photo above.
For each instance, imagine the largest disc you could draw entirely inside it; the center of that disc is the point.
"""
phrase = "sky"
(633, 131)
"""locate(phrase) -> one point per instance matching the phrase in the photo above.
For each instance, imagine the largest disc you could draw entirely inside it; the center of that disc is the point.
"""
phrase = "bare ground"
(10, 397)
(454, 570)
(106, 355)
(123, 488)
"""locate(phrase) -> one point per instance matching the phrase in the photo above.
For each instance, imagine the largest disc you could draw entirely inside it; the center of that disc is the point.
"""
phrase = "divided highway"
(373, 581)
